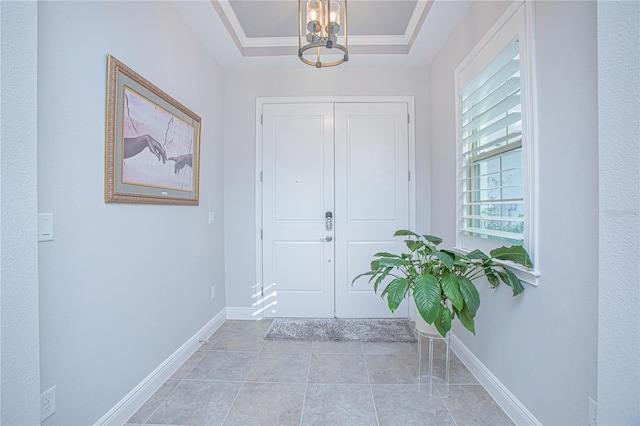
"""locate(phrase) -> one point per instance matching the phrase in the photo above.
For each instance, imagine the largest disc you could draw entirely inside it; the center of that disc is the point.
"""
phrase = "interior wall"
(541, 345)
(122, 286)
(619, 245)
(19, 339)
(241, 90)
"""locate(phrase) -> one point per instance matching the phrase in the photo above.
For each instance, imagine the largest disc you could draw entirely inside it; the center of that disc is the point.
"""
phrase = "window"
(495, 144)
(492, 189)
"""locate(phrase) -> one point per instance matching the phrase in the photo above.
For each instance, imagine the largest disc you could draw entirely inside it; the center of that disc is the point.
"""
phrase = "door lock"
(327, 239)
(328, 221)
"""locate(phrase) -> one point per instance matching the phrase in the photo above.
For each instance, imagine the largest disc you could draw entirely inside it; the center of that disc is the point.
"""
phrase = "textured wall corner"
(20, 352)
(619, 181)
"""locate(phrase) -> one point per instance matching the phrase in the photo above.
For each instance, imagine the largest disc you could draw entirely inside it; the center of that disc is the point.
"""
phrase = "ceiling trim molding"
(395, 40)
(416, 21)
(231, 23)
(370, 44)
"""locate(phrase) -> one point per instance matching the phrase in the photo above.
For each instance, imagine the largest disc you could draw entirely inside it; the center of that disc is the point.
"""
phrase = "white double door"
(335, 188)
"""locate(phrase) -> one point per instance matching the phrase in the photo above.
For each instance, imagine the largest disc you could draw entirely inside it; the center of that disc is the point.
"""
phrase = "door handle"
(326, 239)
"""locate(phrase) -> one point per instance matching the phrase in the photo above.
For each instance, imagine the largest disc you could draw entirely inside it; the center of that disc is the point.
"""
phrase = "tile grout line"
(373, 400)
(161, 402)
(446, 406)
(306, 384)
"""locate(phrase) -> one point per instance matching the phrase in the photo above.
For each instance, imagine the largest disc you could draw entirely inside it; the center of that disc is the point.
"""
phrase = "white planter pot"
(423, 327)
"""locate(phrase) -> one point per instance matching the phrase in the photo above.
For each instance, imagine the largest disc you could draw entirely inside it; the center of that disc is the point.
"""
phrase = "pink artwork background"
(143, 117)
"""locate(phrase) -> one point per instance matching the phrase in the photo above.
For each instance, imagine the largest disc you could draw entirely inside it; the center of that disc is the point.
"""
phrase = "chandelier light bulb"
(334, 12)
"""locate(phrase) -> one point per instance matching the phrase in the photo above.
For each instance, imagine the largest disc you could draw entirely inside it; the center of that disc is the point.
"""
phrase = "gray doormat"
(362, 330)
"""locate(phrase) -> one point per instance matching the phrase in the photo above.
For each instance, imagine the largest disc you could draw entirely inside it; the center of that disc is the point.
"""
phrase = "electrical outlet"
(47, 403)
(213, 291)
(593, 412)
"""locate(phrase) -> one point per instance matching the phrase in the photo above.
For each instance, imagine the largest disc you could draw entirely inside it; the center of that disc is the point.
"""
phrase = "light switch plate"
(212, 218)
(45, 226)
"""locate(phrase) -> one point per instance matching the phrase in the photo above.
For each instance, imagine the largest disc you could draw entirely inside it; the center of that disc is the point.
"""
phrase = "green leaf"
(443, 322)
(516, 254)
(467, 320)
(451, 289)
(426, 293)
(445, 258)
(433, 239)
(477, 254)
(405, 233)
(382, 276)
(390, 261)
(516, 284)
(396, 291)
(469, 294)
(362, 275)
(414, 245)
(461, 268)
(491, 276)
(510, 279)
(457, 256)
(385, 254)
(375, 265)
(426, 250)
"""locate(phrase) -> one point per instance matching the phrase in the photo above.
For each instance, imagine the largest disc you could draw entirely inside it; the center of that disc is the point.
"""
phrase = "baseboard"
(243, 314)
(505, 399)
(127, 407)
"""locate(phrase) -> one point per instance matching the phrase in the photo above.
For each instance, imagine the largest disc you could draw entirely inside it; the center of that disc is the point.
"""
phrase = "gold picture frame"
(152, 143)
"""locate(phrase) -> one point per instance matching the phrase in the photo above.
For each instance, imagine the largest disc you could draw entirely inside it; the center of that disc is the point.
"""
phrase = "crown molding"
(368, 44)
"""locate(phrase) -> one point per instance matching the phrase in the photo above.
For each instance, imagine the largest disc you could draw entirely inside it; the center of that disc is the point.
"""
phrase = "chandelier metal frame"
(327, 38)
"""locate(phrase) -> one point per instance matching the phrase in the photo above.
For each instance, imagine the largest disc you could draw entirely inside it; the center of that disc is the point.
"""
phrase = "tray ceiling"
(263, 33)
(270, 27)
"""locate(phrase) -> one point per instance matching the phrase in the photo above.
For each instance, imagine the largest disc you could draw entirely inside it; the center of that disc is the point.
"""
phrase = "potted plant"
(441, 281)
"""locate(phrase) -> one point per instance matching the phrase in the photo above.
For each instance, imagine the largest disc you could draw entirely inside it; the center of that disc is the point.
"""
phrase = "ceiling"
(249, 33)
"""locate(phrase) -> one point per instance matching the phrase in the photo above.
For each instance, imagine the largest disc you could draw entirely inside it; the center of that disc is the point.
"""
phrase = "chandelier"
(322, 28)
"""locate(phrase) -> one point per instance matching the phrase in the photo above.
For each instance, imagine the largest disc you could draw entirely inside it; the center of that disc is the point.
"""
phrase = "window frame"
(516, 22)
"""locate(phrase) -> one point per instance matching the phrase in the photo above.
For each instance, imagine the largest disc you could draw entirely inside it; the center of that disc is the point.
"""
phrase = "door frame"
(259, 302)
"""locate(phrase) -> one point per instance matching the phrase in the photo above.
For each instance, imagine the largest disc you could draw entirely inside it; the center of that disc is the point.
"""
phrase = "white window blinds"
(492, 169)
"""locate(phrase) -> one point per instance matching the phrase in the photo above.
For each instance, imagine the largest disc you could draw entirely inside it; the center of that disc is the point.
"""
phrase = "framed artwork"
(152, 143)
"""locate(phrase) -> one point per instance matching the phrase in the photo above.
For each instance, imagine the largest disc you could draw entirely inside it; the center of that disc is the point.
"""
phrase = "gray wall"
(122, 286)
(241, 90)
(619, 136)
(19, 361)
(542, 345)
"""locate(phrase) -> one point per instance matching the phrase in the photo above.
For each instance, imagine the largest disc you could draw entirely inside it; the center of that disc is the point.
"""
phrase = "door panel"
(298, 268)
(298, 149)
(372, 170)
(288, 273)
(369, 168)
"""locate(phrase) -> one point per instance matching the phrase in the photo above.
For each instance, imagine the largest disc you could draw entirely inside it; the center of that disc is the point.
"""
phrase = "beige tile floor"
(238, 378)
